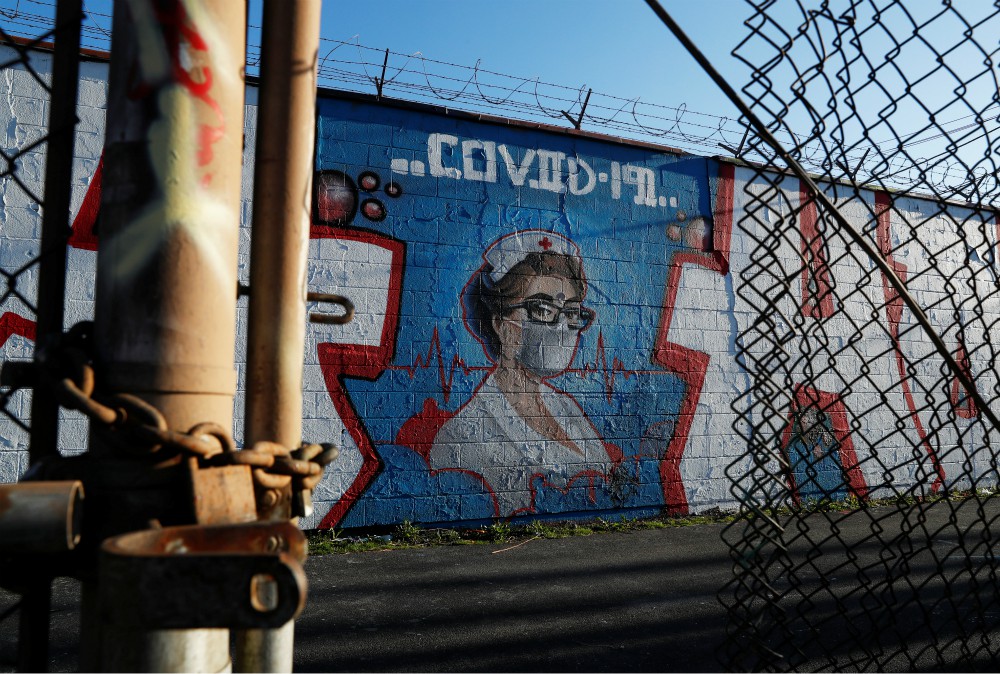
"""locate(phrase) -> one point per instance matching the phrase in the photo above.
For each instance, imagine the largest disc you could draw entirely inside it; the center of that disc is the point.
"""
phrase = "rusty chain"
(133, 426)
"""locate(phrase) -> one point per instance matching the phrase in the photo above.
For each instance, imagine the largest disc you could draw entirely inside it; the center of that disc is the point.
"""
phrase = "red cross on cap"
(507, 251)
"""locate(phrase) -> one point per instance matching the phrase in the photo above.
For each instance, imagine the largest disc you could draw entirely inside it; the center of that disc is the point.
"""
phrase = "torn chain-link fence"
(866, 297)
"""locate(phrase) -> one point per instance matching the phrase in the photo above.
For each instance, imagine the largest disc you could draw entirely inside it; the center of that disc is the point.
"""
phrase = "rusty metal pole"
(286, 130)
(40, 517)
(165, 319)
(166, 278)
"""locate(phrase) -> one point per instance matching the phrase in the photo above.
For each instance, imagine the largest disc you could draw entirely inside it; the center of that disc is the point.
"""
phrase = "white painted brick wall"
(707, 317)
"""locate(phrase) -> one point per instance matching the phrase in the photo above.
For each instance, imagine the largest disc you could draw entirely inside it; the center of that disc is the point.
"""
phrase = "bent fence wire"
(868, 533)
(17, 297)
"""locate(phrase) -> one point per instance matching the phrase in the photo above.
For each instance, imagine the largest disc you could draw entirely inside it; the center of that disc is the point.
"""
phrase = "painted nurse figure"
(525, 306)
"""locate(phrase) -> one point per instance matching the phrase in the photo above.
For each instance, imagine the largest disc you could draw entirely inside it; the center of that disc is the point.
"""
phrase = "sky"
(535, 59)
(539, 56)
(624, 53)
(613, 46)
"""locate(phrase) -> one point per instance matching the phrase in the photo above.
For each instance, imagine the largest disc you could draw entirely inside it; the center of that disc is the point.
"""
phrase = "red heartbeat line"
(446, 374)
(434, 358)
(610, 374)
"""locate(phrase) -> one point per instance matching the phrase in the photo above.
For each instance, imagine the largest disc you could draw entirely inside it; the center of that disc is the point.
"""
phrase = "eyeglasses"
(547, 313)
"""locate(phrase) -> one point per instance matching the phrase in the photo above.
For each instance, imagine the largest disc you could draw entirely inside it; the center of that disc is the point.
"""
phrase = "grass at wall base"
(409, 535)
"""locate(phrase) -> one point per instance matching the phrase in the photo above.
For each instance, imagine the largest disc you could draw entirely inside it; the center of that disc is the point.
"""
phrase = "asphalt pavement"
(910, 589)
(627, 601)
(624, 601)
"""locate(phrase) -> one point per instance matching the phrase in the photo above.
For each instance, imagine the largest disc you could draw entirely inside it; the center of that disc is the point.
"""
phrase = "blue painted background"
(446, 225)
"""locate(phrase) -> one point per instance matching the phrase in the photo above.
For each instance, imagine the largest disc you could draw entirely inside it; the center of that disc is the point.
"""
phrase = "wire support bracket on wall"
(970, 188)
(583, 111)
(737, 151)
(380, 81)
(814, 192)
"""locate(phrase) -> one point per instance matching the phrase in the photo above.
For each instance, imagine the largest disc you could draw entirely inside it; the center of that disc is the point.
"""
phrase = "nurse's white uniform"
(488, 437)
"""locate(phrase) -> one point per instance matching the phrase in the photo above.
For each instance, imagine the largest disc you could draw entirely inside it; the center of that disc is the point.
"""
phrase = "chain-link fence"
(867, 534)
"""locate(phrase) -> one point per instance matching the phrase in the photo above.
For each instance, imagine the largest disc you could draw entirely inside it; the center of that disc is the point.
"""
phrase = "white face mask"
(547, 350)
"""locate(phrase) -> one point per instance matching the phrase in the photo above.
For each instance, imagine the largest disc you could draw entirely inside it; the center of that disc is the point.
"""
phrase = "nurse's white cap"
(507, 251)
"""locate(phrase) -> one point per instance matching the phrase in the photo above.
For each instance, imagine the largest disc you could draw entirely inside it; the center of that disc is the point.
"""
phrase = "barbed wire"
(349, 65)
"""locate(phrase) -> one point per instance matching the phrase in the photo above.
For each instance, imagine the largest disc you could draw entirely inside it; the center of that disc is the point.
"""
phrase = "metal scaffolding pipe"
(286, 133)
(166, 279)
(286, 129)
(40, 517)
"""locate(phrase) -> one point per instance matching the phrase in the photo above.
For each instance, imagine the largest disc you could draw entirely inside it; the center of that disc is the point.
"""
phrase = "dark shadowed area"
(642, 600)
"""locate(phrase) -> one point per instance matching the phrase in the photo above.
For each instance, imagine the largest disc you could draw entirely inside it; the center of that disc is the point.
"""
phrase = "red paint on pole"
(178, 30)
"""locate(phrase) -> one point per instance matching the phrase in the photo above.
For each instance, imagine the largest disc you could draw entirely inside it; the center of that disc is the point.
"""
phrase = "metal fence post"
(34, 625)
(279, 246)
(166, 279)
(55, 218)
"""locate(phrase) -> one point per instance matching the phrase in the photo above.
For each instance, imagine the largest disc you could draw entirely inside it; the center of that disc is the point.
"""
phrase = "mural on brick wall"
(525, 306)
(556, 326)
(507, 359)
(546, 322)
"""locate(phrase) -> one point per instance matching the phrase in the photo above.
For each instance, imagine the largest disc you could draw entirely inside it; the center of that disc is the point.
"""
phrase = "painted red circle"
(373, 209)
(336, 198)
(369, 181)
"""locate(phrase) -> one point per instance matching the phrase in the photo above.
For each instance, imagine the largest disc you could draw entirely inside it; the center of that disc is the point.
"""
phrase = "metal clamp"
(189, 577)
(243, 290)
